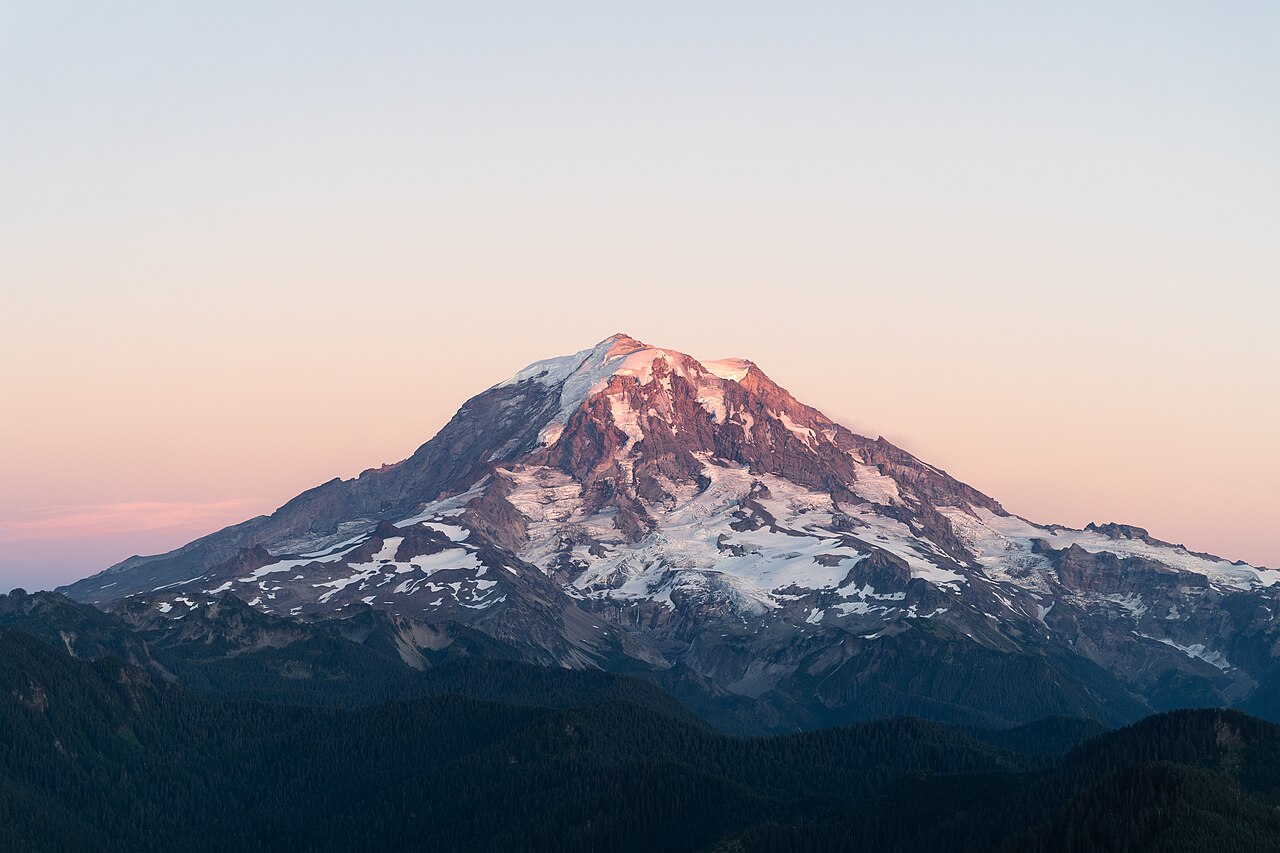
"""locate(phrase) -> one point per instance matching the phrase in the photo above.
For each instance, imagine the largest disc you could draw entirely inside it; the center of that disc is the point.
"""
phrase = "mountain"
(100, 756)
(631, 508)
(225, 649)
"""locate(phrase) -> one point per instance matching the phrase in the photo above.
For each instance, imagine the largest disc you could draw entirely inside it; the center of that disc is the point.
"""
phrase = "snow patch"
(732, 369)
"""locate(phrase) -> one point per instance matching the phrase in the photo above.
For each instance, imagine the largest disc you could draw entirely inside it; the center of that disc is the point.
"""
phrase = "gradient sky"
(248, 247)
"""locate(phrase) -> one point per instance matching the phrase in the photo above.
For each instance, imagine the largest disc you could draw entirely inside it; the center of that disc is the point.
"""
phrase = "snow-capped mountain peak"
(632, 500)
(590, 372)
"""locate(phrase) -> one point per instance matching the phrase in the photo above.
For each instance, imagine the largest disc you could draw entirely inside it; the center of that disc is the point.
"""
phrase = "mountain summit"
(632, 507)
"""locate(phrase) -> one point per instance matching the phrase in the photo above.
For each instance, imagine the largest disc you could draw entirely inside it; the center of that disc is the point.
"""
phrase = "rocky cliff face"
(632, 507)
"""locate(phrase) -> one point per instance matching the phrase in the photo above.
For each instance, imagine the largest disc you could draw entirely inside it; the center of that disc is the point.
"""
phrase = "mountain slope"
(630, 507)
(101, 757)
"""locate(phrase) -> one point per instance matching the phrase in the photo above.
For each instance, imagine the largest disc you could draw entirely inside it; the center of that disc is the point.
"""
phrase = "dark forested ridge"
(223, 648)
(498, 755)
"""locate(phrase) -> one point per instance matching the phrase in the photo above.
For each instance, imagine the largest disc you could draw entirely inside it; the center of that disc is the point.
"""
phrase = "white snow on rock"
(1198, 650)
(584, 374)
(696, 541)
(447, 507)
(1003, 545)
(299, 562)
(921, 555)
(733, 369)
(414, 573)
(875, 487)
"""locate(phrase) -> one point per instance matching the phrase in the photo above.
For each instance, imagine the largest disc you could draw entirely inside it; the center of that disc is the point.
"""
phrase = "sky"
(248, 247)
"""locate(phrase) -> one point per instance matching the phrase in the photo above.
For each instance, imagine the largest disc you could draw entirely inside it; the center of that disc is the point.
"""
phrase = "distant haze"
(244, 250)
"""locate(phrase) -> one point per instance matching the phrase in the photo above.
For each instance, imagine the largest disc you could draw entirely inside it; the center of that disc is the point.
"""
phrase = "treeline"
(496, 755)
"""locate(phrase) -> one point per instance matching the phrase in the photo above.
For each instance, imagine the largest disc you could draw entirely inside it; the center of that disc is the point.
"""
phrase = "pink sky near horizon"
(249, 249)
